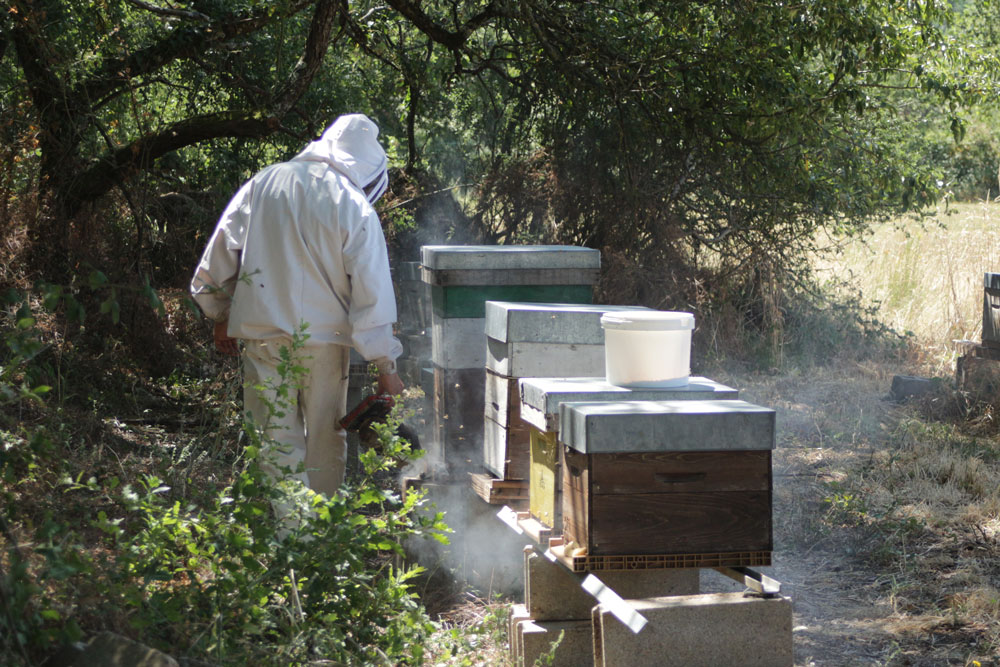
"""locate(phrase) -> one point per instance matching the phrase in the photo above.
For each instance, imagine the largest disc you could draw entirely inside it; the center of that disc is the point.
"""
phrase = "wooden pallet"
(591, 563)
(512, 492)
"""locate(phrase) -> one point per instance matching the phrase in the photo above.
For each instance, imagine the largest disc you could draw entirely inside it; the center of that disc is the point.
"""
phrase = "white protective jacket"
(300, 243)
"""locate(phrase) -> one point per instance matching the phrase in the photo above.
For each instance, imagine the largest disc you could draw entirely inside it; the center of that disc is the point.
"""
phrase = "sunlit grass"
(926, 277)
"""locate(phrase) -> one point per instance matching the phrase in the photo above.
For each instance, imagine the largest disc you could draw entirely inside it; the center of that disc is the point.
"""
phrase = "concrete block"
(481, 257)
(569, 643)
(553, 593)
(698, 630)
(518, 615)
(521, 360)
(657, 426)
(458, 342)
(541, 397)
(548, 322)
(908, 386)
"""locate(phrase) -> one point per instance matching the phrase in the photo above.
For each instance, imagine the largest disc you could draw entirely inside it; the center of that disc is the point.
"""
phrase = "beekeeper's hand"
(389, 383)
(224, 343)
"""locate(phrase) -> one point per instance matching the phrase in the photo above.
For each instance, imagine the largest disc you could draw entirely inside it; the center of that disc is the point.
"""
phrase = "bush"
(199, 573)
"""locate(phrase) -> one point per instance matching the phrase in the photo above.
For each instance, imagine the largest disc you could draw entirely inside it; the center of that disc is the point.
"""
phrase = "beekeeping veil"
(350, 145)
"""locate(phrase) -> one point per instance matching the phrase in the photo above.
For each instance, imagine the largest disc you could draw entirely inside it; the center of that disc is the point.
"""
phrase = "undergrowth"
(168, 536)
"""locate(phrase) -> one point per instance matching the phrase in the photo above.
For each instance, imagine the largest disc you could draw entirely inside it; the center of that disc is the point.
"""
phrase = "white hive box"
(546, 339)
(525, 339)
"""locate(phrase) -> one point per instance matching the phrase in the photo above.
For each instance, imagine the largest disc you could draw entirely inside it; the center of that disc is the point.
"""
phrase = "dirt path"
(845, 610)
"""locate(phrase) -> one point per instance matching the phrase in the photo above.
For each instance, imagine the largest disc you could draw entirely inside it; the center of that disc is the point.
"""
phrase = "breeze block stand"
(705, 630)
(461, 279)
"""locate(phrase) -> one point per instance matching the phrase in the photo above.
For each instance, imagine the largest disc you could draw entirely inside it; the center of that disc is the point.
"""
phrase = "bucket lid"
(648, 320)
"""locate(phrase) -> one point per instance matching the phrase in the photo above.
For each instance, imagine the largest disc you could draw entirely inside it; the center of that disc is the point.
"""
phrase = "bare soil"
(856, 601)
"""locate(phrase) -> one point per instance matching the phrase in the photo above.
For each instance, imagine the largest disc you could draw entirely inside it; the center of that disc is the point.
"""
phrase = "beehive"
(461, 279)
(532, 340)
(540, 399)
(666, 477)
(991, 310)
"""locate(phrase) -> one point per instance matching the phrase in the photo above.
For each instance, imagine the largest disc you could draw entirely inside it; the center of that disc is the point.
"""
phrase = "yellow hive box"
(544, 497)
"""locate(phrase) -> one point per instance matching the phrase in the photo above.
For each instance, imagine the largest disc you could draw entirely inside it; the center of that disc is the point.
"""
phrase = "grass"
(926, 278)
(908, 493)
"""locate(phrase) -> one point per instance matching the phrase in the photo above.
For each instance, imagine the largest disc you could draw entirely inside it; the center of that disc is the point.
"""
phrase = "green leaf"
(97, 279)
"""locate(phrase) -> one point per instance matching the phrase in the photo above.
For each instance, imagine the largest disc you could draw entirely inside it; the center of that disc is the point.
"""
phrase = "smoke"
(484, 553)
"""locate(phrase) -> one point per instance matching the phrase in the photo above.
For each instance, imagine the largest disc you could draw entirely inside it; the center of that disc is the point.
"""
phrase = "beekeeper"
(300, 246)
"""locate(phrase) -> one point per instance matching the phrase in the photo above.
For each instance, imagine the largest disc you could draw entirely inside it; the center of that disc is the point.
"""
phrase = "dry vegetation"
(888, 514)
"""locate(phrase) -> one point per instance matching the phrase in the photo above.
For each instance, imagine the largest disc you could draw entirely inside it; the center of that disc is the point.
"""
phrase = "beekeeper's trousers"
(304, 425)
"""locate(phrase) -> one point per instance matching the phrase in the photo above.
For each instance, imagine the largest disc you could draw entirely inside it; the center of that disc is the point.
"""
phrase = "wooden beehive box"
(532, 340)
(666, 477)
(540, 399)
(991, 310)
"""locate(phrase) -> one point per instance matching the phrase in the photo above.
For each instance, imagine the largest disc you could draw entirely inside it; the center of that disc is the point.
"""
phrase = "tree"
(107, 104)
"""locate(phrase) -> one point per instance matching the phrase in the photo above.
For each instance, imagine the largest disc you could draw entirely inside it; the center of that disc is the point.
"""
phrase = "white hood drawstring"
(350, 145)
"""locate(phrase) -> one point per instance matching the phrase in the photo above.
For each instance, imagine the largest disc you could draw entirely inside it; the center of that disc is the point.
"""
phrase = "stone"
(656, 426)
(569, 643)
(706, 630)
(542, 396)
(518, 614)
(909, 386)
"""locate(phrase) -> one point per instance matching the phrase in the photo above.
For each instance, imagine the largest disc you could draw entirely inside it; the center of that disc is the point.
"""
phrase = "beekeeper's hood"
(350, 145)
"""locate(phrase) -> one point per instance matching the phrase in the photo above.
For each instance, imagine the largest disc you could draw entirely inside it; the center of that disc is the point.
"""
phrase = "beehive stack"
(461, 280)
(540, 399)
(413, 325)
(529, 340)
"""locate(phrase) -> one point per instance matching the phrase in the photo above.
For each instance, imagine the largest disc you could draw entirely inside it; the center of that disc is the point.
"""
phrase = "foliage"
(707, 140)
(207, 574)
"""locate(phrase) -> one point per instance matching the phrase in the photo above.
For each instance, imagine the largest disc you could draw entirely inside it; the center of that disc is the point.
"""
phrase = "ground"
(856, 602)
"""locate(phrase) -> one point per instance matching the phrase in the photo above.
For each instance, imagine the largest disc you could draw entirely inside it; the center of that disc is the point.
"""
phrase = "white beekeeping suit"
(300, 244)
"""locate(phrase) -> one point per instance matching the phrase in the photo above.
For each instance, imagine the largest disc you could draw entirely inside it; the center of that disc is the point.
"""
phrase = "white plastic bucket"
(647, 348)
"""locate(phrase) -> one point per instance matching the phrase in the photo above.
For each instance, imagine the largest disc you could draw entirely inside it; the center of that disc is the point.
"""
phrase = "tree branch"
(316, 47)
(191, 41)
(118, 165)
(169, 11)
(453, 39)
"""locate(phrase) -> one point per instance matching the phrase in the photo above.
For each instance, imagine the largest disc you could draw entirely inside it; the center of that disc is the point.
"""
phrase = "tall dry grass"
(926, 277)
(915, 486)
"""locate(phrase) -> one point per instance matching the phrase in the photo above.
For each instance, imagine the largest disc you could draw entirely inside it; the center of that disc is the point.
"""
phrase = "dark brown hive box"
(666, 478)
